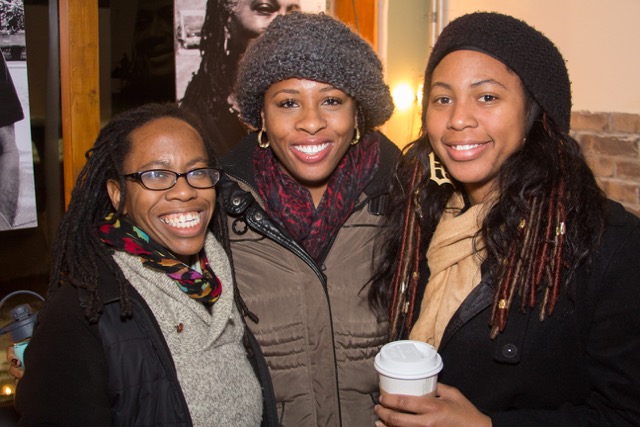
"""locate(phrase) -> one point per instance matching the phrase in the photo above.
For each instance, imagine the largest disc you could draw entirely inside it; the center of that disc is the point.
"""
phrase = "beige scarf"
(454, 263)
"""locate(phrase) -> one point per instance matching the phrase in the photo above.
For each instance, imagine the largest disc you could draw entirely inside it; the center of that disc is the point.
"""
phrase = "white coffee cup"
(408, 367)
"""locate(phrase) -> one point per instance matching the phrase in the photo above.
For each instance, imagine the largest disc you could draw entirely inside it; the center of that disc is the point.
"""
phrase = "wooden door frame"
(361, 15)
(79, 84)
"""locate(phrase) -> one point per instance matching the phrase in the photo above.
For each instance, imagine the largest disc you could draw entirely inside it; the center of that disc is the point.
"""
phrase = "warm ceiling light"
(403, 96)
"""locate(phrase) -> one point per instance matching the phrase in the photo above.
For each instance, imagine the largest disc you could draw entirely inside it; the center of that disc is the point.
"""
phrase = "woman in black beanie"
(305, 194)
(518, 269)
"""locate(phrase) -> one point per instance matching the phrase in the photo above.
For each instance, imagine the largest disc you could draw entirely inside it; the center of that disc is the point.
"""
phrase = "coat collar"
(477, 301)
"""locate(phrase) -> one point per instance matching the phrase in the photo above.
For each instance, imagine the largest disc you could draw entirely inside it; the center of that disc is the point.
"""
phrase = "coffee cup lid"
(408, 359)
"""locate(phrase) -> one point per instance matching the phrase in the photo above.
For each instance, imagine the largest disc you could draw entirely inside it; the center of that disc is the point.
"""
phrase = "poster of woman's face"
(188, 51)
(211, 35)
(17, 187)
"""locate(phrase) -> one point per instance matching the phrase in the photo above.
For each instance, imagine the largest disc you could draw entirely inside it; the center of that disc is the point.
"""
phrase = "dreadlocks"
(77, 249)
(548, 217)
(215, 76)
(207, 93)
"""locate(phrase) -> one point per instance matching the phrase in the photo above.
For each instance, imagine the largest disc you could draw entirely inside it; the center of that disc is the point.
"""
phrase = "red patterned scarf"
(291, 205)
(124, 236)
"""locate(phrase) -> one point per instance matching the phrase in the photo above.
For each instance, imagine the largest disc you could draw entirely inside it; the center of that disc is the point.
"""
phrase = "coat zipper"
(297, 250)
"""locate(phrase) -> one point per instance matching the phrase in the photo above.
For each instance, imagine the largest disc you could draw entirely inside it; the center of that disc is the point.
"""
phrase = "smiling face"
(250, 18)
(310, 126)
(475, 119)
(176, 218)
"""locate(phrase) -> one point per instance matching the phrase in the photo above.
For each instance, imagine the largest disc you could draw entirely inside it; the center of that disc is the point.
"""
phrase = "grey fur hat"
(522, 48)
(313, 47)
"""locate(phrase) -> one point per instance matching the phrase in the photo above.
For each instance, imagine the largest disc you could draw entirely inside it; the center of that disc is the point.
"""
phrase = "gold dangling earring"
(356, 137)
(438, 173)
(261, 141)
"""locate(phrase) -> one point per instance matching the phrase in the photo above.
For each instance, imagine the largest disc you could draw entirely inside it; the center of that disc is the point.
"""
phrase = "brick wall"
(611, 144)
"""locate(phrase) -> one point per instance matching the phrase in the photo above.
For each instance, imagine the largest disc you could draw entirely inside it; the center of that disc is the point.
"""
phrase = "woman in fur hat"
(304, 195)
(518, 269)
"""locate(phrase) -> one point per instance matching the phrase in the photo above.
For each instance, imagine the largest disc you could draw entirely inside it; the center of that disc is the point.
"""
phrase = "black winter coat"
(578, 367)
(147, 385)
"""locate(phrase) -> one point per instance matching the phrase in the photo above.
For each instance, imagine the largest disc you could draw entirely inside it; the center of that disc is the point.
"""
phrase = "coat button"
(236, 201)
(257, 216)
(510, 351)
(239, 226)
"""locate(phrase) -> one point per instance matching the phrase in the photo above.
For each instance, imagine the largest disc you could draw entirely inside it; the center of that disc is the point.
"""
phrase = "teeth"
(182, 220)
(311, 149)
(465, 147)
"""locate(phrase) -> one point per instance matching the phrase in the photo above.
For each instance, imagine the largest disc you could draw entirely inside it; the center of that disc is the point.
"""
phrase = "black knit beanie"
(526, 51)
(312, 47)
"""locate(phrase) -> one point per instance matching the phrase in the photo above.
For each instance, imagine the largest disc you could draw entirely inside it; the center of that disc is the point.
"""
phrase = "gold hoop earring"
(261, 139)
(356, 137)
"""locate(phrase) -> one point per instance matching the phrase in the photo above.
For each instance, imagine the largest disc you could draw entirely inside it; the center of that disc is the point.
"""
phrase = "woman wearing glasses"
(140, 326)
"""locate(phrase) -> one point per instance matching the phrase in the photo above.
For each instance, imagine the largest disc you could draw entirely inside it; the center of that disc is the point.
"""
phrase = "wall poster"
(141, 53)
(188, 50)
(17, 186)
(210, 37)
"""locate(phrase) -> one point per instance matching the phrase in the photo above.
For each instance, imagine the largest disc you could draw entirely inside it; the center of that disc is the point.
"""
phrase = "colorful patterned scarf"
(122, 235)
(291, 205)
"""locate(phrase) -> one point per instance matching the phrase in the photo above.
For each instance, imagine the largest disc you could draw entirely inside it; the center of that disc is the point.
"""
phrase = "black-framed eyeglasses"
(161, 179)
